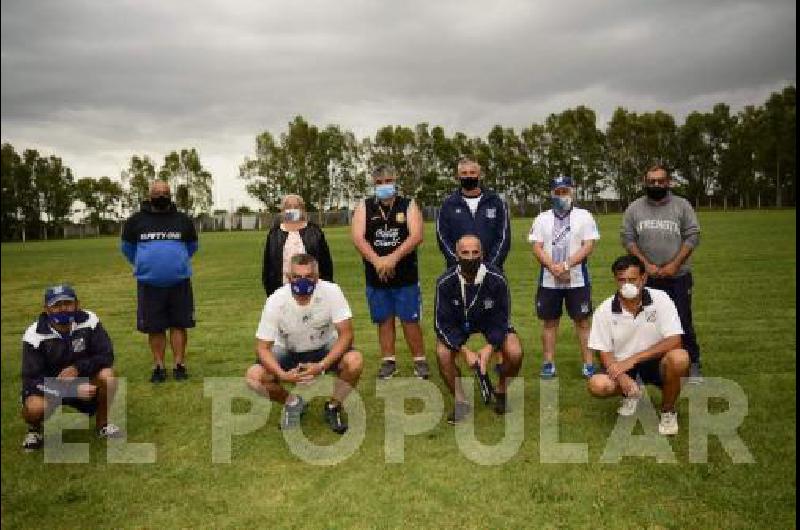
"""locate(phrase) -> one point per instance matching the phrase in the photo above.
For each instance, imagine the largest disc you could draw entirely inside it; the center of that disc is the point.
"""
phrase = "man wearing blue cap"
(563, 238)
(66, 343)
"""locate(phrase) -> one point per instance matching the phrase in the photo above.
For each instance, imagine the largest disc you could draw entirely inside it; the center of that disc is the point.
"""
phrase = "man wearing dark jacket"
(472, 297)
(159, 242)
(474, 210)
(63, 344)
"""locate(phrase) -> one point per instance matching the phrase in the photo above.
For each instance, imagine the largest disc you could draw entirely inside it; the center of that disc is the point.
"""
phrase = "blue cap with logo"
(561, 182)
(59, 293)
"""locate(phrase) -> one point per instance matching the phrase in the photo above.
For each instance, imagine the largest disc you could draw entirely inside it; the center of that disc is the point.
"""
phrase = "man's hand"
(86, 391)
(290, 376)
(618, 368)
(669, 270)
(484, 354)
(70, 372)
(470, 356)
(557, 269)
(307, 372)
(628, 386)
(652, 269)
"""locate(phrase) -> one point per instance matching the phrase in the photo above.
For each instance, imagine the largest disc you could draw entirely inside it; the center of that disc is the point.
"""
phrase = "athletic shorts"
(160, 308)
(289, 360)
(550, 301)
(88, 407)
(403, 302)
(648, 371)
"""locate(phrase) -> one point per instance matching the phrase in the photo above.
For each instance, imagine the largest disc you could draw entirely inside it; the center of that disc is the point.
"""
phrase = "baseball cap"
(561, 182)
(59, 293)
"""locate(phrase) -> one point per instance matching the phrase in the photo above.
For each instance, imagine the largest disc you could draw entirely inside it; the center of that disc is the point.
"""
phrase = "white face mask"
(629, 291)
(292, 214)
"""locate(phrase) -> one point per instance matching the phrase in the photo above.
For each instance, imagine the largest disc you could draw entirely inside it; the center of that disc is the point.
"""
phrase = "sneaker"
(484, 384)
(109, 430)
(668, 426)
(333, 415)
(628, 406)
(33, 441)
(500, 406)
(421, 369)
(588, 370)
(387, 370)
(292, 414)
(180, 373)
(159, 375)
(460, 412)
(548, 371)
(695, 374)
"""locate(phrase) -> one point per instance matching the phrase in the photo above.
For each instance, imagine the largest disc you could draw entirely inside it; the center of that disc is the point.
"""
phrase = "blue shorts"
(403, 302)
(88, 407)
(289, 360)
(549, 302)
(648, 371)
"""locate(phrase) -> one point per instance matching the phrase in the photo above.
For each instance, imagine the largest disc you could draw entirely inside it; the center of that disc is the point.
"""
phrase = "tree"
(100, 198)
(141, 172)
(190, 182)
(576, 149)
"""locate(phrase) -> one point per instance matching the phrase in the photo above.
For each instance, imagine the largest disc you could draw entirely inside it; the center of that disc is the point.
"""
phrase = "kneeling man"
(306, 329)
(638, 334)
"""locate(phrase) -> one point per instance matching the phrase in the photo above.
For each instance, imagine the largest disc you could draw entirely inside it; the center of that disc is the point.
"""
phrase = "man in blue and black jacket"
(159, 242)
(472, 297)
(475, 210)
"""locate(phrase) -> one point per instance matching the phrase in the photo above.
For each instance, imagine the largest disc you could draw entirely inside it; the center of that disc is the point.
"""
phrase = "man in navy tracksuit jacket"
(474, 210)
(159, 242)
(472, 297)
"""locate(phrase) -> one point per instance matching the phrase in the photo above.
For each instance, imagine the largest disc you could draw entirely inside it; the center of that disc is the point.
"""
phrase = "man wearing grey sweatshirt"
(661, 229)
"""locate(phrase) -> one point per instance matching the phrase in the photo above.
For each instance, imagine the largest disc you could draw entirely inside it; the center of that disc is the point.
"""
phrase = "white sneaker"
(628, 406)
(110, 431)
(668, 426)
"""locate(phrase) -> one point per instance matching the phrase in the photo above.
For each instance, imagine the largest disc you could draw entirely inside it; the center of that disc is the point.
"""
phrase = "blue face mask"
(303, 287)
(62, 318)
(562, 204)
(385, 191)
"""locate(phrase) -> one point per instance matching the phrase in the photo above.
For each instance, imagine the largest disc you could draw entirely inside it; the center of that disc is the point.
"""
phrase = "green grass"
(745, 307)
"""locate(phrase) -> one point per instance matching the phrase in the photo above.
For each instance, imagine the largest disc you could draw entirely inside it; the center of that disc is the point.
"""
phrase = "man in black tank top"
(386, 231)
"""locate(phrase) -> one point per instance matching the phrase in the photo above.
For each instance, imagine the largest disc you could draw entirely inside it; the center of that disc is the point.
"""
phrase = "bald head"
(159, 188)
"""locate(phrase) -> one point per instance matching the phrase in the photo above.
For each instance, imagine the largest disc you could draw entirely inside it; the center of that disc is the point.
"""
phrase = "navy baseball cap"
(59, 293)
(561, 182)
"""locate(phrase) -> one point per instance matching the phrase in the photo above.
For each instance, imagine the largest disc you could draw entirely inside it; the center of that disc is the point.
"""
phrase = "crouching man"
(638, 334)
(305, 330)
(63, 344)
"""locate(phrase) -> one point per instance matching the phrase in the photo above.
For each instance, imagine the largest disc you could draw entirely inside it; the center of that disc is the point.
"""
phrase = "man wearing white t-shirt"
(638, 334)
(305, 329)
(563, 238)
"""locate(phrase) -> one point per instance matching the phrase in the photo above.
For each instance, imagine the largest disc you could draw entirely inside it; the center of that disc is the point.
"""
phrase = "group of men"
(643, 333)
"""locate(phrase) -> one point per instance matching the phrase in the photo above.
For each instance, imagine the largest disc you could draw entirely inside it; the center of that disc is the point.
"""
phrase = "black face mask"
(161, 203)
(656, 193)
(469, 267)
(469, 184)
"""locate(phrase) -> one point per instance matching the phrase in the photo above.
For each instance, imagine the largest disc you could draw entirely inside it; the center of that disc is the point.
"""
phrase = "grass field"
(745, 308)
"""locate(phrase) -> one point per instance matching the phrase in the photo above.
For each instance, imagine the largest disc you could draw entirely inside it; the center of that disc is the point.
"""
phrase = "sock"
(332, 404)
(389, 358)
(419, 358)
(292, 400)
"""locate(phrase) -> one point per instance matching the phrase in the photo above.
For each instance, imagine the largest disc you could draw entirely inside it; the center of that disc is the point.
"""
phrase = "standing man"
(661, 230)
(475, 210)
(563, 239)
(306, 329)
(472, 297)
(159, 242)
(64, 343)
(638, 334)
(386, 230)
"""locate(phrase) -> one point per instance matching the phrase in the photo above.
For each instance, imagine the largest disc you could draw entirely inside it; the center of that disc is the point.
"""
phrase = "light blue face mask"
(562, 204)
(385, 191)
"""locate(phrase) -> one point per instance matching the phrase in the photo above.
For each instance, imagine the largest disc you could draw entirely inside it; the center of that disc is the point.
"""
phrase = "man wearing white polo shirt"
(638, 334)
(305, 330)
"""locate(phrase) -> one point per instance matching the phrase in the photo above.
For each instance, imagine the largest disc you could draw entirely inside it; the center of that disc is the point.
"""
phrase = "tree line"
(744, 159)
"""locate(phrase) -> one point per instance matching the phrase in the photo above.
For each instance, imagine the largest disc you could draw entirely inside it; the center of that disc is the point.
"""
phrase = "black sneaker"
(159, 375)
(460, 411)
(333, 415)
(180, 373)
(33, 441)
(421, 369)
(500, 406)
(387, 369)
(292, 414)
(484, 384)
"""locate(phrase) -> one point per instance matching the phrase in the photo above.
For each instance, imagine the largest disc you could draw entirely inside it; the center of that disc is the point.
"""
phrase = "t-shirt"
(303, 328)
(472, 203)
(561, 238)
(623, 334)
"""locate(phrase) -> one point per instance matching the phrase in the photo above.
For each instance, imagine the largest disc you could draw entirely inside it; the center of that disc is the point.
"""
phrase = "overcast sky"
(95, 82)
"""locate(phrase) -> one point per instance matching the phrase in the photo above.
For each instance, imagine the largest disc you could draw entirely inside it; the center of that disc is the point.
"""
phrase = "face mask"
(469, 267)
(562, 203)
(162, 202)
(629, 291)
(469, 184)
(385, 191)
(656, 193)
(303, 287)
(62, 318)
(292, 215)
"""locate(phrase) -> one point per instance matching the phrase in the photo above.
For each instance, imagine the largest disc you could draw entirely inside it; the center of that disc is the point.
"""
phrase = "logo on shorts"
(491, 213)
(458, 210)
(584, 307)
(401, 217)
(455, 301)
(488, 303)
(651, 316)
(78, 344)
